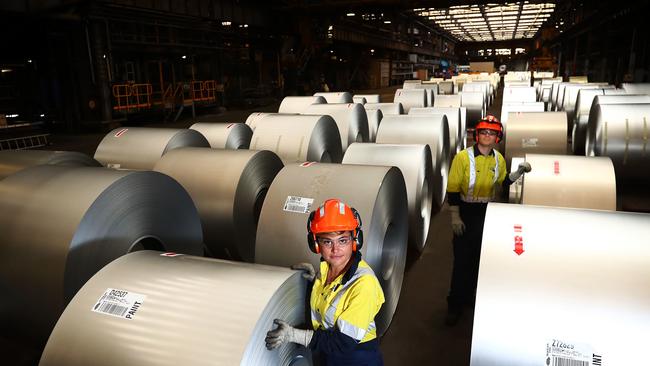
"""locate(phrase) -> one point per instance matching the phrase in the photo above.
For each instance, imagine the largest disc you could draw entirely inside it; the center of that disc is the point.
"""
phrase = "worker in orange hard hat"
(473, 176)
(346, 295)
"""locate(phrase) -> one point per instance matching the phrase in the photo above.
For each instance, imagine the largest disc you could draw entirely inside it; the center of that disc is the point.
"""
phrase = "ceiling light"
(350, 14)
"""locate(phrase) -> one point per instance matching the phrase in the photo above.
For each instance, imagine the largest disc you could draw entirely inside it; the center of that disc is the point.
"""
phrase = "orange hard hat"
(332, 216)
(489, 122)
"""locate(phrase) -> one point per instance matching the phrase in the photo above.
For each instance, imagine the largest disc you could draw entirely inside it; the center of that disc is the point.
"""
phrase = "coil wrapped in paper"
(620, 131)
(141, 147)
(547, 296)
(448, 101)
(432, 130)
(453, 118)
(568, 181)
(411, 84)
(536, 133)
(385, 108)
(415, 163)
(359, 100)
(477, 87)
(350, 118)
(336, 97)
(180, 310)
(411, 98)
(231, 136)
(60, 225)
(228, 188)
(298, 138)
(254, 118)
(475, 104)
(370, 98)
(12, 161)
(378, 193)
(571, 97)
(298, 104)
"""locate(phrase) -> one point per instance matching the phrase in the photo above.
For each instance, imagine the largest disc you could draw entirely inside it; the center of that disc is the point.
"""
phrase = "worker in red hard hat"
(473, 176)
(346, 295)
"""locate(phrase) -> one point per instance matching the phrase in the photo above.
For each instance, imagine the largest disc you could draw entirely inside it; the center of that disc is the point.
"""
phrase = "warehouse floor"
(417, 335)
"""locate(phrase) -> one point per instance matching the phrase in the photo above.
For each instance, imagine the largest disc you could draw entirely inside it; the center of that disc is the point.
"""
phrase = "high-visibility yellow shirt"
(477, 184)
(351, 307)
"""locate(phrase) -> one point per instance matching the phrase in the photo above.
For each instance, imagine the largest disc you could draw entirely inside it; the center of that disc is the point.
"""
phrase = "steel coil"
(432, 130)
(359, 100)
(370, 98)
(446, 87)
(411, 98)
(254, 118)
(557, 92)
(577, 294)
(455, 127)
(298, 138)
(581, 118)
(378, 193)
(374, 119)
(141, 147)
(519, 94)
(636, 88)
(620, 131)
(231, 136)
(514, 191)
(579, 79)
(60, 225)
(536, 133)
(386, 108)
(447, 101)
(482, 87)
(299, 104)
(571, 97)
(507, 108)
(228, 188)
(568, 181)
(336, 97)
(412, 84)
(415, 163)
(148, 308)
(12, 161)
(475, 104)
(583, 131)
(350, 118)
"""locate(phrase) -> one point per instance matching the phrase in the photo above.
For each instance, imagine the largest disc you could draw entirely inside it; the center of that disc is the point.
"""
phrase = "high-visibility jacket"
(348, 305)
(474, 175)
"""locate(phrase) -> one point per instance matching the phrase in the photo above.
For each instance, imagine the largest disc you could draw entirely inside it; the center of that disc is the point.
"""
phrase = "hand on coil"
(523, 167)
(286, 333)
(307, 269)
(457, 224)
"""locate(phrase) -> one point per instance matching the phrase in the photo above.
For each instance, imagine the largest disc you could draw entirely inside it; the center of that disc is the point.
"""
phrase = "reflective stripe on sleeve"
(350, 330)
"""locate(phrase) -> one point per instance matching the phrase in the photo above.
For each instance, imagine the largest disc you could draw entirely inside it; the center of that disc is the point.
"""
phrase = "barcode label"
(562, 352)
(298, 204)
(561, 361)
(119, 303)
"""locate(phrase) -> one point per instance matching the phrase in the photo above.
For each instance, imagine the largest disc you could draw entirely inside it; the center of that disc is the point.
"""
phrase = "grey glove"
(523, 167)
(286, 333)
(457, 224)
(307, 269)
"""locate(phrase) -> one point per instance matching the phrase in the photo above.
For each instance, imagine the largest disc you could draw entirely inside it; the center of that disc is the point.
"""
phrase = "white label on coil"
(529, 142)
(560, 352)
(119, 303)
(113, 165)
(298, 204)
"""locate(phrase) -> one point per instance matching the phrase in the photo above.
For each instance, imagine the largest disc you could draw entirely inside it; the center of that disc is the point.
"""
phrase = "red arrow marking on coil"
(519, 248)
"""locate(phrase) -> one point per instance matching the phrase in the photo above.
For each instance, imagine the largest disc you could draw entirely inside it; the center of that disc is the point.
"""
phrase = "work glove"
(523, 167)
(307, 269)
(457, 224)
(285, 333)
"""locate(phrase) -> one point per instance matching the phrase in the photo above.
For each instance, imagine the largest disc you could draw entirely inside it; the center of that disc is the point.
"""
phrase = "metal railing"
(24, 143)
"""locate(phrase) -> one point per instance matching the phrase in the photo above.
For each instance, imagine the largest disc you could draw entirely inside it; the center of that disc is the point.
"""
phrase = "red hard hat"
(489, 122)
(332, 216)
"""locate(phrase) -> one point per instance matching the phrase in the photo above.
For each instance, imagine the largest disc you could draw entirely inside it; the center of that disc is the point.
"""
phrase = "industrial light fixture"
(350, 14)
(386, 21)
(490, 22)
(226, 23)
(184, 57)
(6, 70)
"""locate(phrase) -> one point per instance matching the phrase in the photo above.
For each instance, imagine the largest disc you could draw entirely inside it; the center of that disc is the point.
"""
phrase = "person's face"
(336, 248)
(487, 137)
